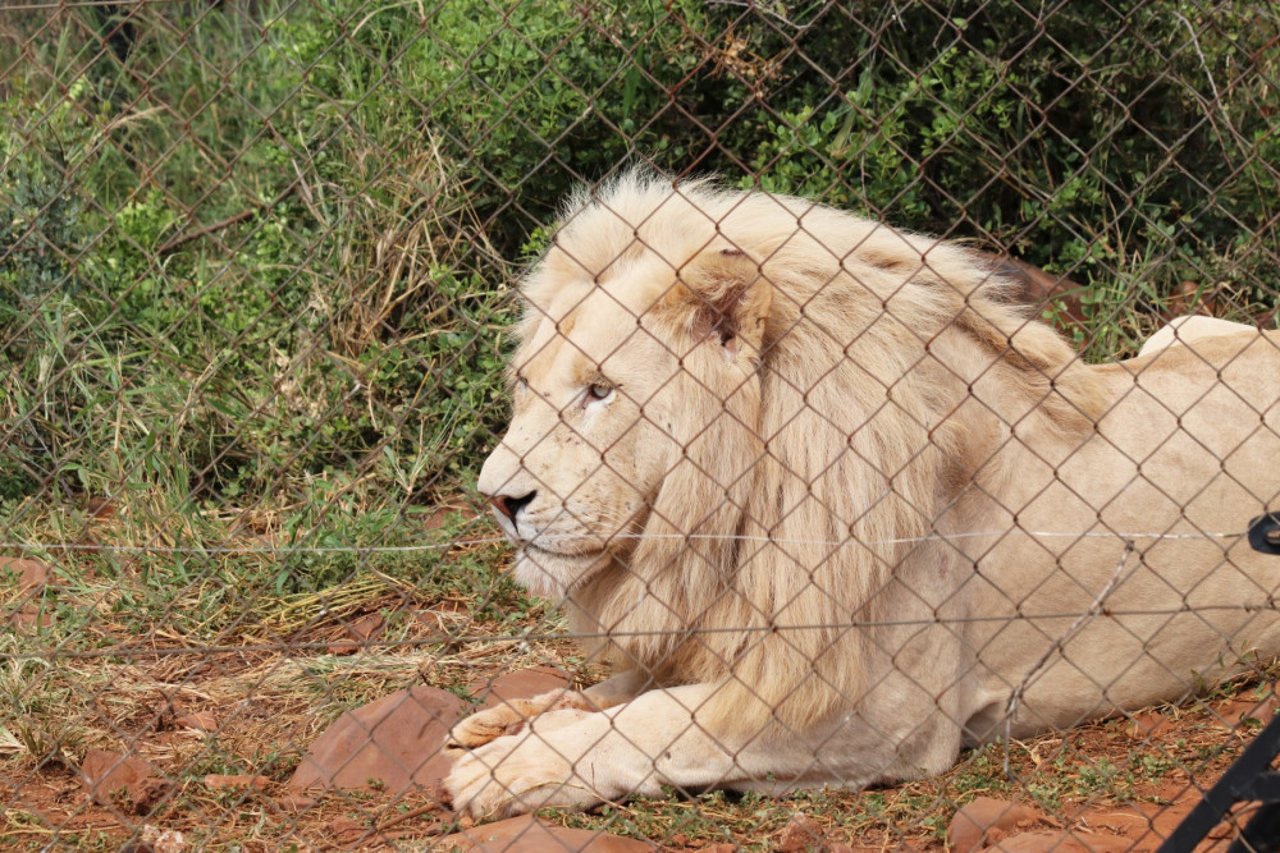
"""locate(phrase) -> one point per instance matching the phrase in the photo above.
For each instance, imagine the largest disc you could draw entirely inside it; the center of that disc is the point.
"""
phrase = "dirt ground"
(205, 742)
(1119, 784)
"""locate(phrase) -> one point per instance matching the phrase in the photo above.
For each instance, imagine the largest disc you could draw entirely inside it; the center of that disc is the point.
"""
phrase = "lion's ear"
(726, 297)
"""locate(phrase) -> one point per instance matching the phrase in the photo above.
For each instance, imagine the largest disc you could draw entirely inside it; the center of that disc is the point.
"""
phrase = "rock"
(985, 820)
(295, 802)
(521, 684)
(1145, 724)
(1145, 826)
(30, 615)
(719, 848)
(31, 575)
(105, 774)
(1244, 715)
(100, 508)
(359, 634)
(802, 834)
(392, 744)
(219, 781)
(528, 835)
(200, 720)
(1061, 842)
(153, 839)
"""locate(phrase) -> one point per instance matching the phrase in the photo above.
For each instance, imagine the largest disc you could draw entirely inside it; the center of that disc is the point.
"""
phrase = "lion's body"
(844, 509)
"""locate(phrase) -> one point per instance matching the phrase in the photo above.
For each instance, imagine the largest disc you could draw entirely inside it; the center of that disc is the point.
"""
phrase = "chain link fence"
(832, 493)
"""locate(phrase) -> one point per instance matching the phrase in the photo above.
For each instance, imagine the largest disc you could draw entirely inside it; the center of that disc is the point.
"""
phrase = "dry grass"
(272, 686)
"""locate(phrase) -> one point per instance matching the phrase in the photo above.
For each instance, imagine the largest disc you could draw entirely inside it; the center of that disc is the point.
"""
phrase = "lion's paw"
(490, 724)
(514, 774)
(508, 718)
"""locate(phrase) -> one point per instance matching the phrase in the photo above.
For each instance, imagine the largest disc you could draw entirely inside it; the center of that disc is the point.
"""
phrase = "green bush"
(280, 252)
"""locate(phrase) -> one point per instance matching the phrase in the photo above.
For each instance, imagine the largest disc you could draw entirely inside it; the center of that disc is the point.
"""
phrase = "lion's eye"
(599, 391)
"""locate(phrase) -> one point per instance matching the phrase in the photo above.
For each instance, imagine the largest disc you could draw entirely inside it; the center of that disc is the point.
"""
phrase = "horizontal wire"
(531, 637)
(495, 540)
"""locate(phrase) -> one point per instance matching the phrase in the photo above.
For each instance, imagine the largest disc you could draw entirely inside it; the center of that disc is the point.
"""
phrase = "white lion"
(833, 508)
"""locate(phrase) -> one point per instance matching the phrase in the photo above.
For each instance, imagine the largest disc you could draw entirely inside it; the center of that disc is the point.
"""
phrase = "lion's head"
(739, 410)
(632, 363)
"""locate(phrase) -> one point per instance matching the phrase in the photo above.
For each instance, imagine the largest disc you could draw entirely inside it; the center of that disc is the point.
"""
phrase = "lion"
(834, 507)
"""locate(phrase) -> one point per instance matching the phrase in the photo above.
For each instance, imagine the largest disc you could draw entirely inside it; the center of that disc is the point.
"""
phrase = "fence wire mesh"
(298, 334)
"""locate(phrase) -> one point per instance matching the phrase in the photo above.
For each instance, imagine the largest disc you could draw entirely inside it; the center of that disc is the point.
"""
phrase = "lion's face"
(591, 437)
(634, 391)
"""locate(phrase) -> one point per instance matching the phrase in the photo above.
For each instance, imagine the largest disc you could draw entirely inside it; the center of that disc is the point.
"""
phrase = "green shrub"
(281, 251)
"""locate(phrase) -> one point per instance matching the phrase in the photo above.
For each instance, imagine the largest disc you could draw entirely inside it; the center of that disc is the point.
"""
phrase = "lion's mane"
(770, 549)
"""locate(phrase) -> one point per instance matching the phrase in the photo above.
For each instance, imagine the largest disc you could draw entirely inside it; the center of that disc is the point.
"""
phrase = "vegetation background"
(256, 256)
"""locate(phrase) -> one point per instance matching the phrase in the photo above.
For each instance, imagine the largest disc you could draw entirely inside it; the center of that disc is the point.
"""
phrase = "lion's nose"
(509, 505)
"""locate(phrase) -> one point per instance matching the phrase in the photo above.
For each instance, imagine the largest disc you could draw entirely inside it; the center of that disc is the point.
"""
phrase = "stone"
(802, 834)
(295, 802)
(1061, 842)
(984, 820)
(521, 684)
(203, 721)
(526, 834)
(108, 775)
(392, 744)
(360, 634)
(31, 575)
(1146, 724)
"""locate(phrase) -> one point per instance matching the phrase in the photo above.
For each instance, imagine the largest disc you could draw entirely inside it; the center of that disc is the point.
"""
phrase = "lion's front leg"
(510, 716)
(577, 759)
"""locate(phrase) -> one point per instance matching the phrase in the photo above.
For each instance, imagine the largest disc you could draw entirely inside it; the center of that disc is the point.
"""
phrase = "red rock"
(719, 848)
(32, 575)
(106, 773)
(203, 721)
(359, 634)
(344, 830)
(1159, 820)
(976, 823)
(802, 834)
(100, 508)
(244, 780)
(528, 835)
(31, 615)
(392, 744)
(1239, 714)
(1145, 724)
(521, 684)
(1061, 842)
(295, 802)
